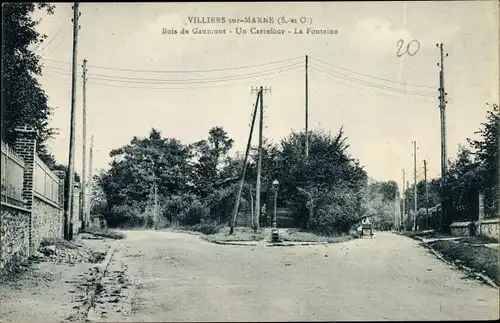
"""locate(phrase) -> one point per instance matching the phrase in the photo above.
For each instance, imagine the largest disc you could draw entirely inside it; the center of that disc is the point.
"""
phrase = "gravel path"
(179, 277)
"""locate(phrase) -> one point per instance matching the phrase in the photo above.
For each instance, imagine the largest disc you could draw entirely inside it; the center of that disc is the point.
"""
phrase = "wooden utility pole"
(155, 212)
(84, 152)
(87, 209)
(426, 195)
(68, 218)
(242, 180)
(415, 185)
(259, 163)
(403, 197)
(442, 110)
(307, 109)
(251, 205)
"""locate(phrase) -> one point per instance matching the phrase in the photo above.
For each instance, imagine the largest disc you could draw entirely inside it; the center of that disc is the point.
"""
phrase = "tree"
(97, 197)
(486, 151)
(330, 180)
(136, 167)
(24, 102)
(463, 185)
(210, 158)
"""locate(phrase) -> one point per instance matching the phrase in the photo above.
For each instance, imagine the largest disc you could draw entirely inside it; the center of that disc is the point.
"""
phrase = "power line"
(93, 83)
(364, 89)
(388, 88)
(59, 43)
(182, 71)
(55, 36)
(375, 77)
(195, 82)
(170, 81)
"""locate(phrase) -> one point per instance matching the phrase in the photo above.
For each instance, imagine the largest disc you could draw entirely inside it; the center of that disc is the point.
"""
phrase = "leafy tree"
(210, 157)
(24, 102)
(322, 182)
(97, 197)
(145, 161)
(486, 151)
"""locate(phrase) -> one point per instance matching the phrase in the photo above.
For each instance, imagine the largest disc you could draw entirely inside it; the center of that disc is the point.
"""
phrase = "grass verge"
(478, 258)
(106, 233)
(296, 235)
(286, 235)
(240, 234)
(61, 243)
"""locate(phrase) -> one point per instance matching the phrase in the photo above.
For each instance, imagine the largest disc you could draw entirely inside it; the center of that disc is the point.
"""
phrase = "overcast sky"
(381, 116)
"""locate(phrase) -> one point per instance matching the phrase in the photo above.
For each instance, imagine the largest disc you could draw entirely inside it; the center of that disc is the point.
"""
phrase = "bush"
(186, 209)
(206, 228)
(106, 233)
(124, 216)
(219, 205)
(335, 212)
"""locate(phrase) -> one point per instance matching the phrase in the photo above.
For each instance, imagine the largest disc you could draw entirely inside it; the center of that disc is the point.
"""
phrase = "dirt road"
(179, 277)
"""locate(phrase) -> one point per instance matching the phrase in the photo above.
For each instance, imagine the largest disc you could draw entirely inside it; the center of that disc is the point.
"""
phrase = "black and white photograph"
(250, 161)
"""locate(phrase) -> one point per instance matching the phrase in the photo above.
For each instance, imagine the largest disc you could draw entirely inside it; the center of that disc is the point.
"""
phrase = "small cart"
(366, 229)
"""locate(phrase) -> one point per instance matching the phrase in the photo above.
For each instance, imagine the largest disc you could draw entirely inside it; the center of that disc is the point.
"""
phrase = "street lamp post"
(274, 231)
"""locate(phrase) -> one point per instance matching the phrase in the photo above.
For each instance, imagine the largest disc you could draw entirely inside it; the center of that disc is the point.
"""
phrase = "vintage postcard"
(250, 161)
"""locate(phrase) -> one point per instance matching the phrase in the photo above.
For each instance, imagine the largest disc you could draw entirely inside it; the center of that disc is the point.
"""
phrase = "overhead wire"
(375, 77)
(53, 49)
(53, 38)
(180, 81)
(388, 88)
(365, 89)
(92, 82)
(181, 71)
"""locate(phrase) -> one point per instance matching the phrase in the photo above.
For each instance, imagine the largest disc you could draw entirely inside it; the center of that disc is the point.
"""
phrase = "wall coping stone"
(12, 206)
(490, 221)
(46, 200)
(461, 224)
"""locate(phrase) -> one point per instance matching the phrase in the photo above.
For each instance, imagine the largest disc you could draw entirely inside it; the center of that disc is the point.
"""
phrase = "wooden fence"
(46, 182)
(12, 176)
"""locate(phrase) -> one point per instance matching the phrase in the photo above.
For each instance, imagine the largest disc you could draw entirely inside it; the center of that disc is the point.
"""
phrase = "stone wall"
(47, 221)
(14, 236)
(462, 229)
(24, 228)
(490, 229)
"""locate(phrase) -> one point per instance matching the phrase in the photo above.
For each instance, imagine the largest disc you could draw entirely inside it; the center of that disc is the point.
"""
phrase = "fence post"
(481, 212)
(76, 209)
(61, 189)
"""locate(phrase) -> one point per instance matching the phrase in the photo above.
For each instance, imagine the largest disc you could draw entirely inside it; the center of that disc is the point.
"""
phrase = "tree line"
(475, 169)
(196, 183)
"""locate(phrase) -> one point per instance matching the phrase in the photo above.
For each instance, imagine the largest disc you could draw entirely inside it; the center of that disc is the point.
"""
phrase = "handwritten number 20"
(408, 48)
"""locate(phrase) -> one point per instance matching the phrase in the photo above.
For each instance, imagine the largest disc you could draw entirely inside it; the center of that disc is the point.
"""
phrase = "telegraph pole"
(87, 210)
(155, 213)
(242, 180)
(442, 109)
(415, 184)
(426, 195)
(259, 161)
(307, 109)
(408, 202)
(84, 154)
(68, 218)
(403, 198)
